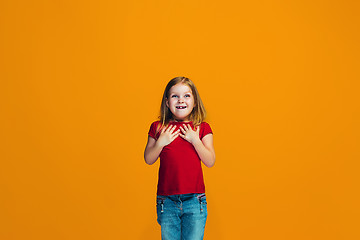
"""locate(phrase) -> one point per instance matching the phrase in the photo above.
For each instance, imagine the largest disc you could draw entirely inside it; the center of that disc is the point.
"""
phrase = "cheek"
(172, 102)
(191, 101)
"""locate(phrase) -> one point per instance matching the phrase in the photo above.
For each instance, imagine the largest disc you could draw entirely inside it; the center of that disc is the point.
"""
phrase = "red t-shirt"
(180, 169)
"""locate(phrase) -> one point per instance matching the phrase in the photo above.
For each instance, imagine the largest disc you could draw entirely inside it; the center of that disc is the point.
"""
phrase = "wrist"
(197, 142)
(158, 145)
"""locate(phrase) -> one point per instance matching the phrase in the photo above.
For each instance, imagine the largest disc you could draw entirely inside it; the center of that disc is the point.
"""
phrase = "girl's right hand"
(167, 135)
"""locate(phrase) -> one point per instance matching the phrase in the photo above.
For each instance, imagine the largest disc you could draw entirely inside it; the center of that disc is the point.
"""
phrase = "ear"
(167, 102)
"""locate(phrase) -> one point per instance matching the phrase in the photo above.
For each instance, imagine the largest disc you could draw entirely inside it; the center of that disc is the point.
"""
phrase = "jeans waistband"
(182, 197)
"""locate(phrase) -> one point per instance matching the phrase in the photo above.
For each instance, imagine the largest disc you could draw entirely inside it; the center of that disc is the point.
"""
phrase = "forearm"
(206, 156)
(152, 154)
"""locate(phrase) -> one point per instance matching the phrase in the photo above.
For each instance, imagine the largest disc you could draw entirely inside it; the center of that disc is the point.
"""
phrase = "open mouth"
(180, 107)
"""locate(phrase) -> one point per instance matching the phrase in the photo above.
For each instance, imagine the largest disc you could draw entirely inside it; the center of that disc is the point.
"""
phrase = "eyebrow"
(184, 93)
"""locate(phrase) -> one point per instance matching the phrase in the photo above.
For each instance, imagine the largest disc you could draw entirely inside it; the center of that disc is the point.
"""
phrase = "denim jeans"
(182, 217)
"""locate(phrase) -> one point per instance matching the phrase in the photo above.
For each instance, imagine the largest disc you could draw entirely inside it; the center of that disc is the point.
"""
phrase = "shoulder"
(156, 125)
(154, 129)
(205, 125)
(205, 129)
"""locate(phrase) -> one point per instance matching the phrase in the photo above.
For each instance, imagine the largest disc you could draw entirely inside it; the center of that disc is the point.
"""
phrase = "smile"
(180, 107)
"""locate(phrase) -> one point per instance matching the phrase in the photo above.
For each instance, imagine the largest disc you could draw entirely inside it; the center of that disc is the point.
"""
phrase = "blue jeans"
(182, 217)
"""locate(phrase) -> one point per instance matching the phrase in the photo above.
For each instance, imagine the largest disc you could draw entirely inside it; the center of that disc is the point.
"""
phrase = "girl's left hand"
(188, 134)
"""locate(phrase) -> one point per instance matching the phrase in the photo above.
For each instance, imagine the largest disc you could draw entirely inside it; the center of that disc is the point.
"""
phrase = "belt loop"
(181, 203)
(200, 196)
(162, 206)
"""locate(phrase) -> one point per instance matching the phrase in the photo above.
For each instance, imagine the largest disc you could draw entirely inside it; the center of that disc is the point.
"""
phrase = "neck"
(176, 120)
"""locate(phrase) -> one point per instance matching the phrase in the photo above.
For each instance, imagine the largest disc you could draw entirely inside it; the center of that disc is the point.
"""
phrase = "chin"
(181, 117)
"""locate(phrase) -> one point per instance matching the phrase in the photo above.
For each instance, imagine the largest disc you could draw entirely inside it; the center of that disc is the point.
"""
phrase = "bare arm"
(203, 147)
(152, 151)
(205, 150)
(154, 148)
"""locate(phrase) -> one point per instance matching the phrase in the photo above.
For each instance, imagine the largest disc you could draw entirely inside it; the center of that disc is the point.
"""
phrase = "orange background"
(81, 82)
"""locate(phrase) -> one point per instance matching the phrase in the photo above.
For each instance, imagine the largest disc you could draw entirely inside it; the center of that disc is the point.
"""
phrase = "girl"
(183, 141)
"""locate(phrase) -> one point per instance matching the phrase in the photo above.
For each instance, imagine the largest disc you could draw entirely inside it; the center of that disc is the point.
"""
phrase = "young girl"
(183, 141)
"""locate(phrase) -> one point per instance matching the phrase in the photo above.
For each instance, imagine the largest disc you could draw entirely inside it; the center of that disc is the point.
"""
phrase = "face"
(180, 102)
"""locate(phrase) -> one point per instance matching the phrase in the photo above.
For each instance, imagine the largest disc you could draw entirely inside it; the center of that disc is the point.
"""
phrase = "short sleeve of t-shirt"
(206, 129)
(152, 130)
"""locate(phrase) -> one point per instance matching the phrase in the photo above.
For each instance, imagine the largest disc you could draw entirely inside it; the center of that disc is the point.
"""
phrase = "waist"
(181, 197)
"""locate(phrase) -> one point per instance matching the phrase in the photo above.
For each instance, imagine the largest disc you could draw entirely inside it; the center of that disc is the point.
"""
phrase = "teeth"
(181, 107)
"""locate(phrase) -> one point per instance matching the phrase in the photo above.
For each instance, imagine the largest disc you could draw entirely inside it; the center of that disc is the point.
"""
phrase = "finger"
(176, 132)
(163, 129)
(186, 128)
(174, 136)
(173, 128)
(190, 126)
(168, 127)
(198, 129)
(182, 129)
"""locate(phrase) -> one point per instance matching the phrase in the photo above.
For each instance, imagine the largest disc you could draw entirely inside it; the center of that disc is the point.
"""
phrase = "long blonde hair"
(198, 113)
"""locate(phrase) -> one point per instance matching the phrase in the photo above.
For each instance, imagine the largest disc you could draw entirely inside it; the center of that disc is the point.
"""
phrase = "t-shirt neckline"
(172, 122)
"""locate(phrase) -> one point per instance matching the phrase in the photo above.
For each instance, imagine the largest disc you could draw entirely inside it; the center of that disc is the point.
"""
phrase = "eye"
(174, 96)
(187, 95)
